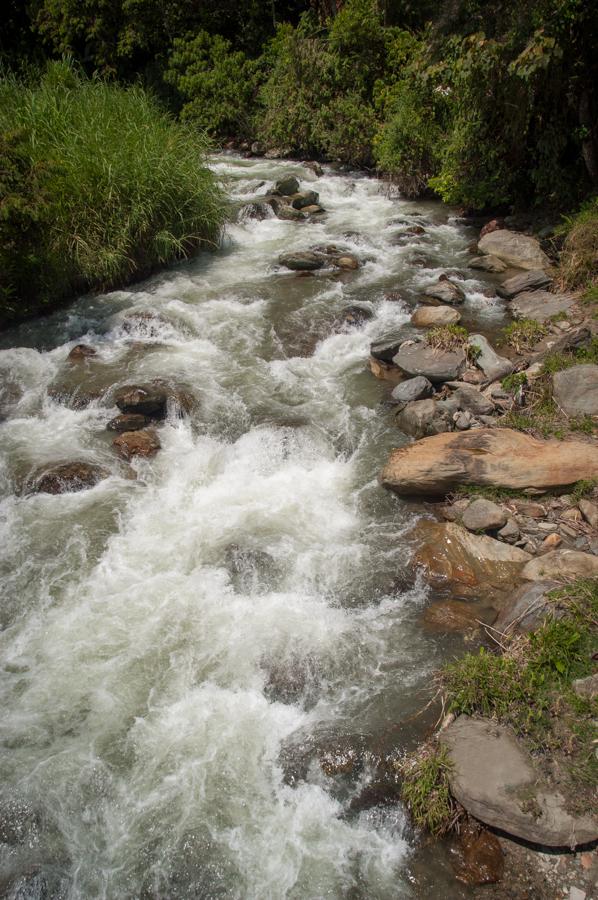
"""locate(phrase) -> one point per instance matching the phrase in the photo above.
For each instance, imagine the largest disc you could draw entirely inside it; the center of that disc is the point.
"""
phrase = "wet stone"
(137, 443)
(81, 352)
(66, 478)
(128, 422)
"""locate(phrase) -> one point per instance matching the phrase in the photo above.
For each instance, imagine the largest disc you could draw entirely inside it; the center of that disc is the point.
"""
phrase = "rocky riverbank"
(504, 451)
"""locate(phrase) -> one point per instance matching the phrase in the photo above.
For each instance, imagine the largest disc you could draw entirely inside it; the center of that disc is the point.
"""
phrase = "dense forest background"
(489, 106)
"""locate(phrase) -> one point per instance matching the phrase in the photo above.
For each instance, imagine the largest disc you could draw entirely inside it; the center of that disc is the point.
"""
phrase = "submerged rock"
(518, 250)
(137, 443)
(145, 399)
(66, 478)
(494, 779)
(353, 316)
(128, 422)
(500, 457)
(81, 352)
(478, 858)
(457, 615)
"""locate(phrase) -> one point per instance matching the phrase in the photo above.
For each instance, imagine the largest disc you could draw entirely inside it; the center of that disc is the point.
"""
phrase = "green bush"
(97, 186)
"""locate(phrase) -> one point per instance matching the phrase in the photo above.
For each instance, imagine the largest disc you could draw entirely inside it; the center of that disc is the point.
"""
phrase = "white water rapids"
(178, 648)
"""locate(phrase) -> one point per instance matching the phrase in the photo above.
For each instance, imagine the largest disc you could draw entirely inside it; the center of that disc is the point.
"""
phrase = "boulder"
(354, 316)
(540, 305)
(304, 198)
(346, 261)
(145, 399)
(302, 260)
(128, 422)
(484, 515)
(589, 511)
(575, 390)
(387, 347)
(517, 250)
(494, 779)
(418, 388)
(526, 281)
(422, 417)
(446, 291)
(66, 478)
(137, 443)
(466, 565)
(470, 399)
(418, 358)
(492, 365)
(500, 457)
(287, 186)
(431, 316)
(287, 213)
(487, 264)
(561, 565)
(526, 608)
(81, 352)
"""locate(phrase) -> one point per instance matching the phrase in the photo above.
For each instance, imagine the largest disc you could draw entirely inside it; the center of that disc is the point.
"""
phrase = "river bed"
(205, 657)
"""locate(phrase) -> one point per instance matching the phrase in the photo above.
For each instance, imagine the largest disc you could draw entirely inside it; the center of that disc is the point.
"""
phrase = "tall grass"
(97, 186)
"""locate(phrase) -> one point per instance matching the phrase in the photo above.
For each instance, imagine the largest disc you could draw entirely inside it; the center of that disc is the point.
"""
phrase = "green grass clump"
(425, 789)
(97, 186)
(513, 382)
(525, 334)
(584, 488)
(447, 337)
(578, 265)
(530, 686)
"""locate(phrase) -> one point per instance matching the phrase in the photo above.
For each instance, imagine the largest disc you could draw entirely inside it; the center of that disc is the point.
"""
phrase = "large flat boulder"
(540, 305)
(419, 358)
(495, 780)
(463, 564)
(518, 250)
(561, 565)
(500, 457)
(575, 390)
(525, 281)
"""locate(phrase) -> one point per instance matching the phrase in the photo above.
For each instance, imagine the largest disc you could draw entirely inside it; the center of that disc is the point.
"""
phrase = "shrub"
(98, 186)
(578, 266)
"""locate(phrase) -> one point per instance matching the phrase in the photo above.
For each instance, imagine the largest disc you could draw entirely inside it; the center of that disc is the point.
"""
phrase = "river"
(203, 659)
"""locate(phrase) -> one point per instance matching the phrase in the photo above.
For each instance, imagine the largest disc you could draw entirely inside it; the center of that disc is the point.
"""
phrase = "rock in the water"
(385, 348)
(81, 352)
(314, 167)
(287, 186)
(432, 316)
(355, 315)
(467, 565)
(128, 422)
(484, 515)
(286, 212)
(492, 365)
(418, 358)
(66, 478)
(526, 608)
(478, 858)
(385, 371)
(540, 305)
(304, 198)
(137, 443)
(145, 399)
(487, 264)
(561, 565)
(418, 388)
(457, 615)
(446, 291)
(346, 261)
(575, 390)
(422, 417)
(302, 260)
(500, 457)
(495, 780)
(526, 281)
(518, 250)
(257, 210)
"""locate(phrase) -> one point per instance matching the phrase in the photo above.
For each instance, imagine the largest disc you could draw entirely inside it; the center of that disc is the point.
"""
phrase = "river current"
(201, 657)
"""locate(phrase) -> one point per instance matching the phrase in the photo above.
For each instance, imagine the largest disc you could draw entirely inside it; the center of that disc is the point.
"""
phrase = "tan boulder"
(467, 565)
(435, 316)
(561, 565)
(518, 250)
(487, 456)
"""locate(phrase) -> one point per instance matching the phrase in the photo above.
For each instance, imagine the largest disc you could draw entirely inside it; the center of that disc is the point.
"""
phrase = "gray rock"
(494, 778)
(387, 347)
(145, 399)
(302, 260)
(561, 564)
(446, 291)
(418, 388)
(484, 515)
(510, 532)
(420, 418)
(587, 687)
(526, 281)
(589, 511)
(487, 264)
(575, 390)
(418, 358)
(462, 421)
(492, 365)
(304, 198)
(286, 212)
(287, 186)
(540, 305)
(518, 250)
(468, 398)
(527, 607)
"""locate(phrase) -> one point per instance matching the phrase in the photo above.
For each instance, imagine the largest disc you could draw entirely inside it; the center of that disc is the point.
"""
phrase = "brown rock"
(492, 225)
(137, 443)
(551, 542)
(589, 511)
(347, 262)
(80, 353)
(66, 478)
(456, 615)
(531, 510)
(465, 564)
(561, 565)
(432, 316)
(128, 422)
(385, 371)
(487, 456)
(478, 859)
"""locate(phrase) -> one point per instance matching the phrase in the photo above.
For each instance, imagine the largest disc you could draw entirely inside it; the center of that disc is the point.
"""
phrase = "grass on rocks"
(97, 186)
(524, 334)
(425, 789)
(529, 686)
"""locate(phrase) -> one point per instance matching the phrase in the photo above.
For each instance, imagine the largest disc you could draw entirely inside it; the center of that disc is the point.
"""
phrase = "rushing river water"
(202, 666)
